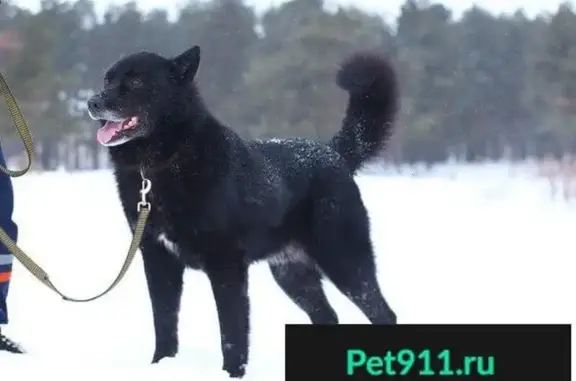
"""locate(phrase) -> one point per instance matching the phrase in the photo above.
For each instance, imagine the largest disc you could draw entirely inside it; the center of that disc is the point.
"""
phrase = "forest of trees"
(480, 86)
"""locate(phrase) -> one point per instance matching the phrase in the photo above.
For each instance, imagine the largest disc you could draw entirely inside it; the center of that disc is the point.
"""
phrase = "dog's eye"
(135, 82)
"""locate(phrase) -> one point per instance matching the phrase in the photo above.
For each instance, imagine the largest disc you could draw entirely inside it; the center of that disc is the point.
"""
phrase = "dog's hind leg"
(303, 284)
(164, 277)
(360, 285)
(342, 249)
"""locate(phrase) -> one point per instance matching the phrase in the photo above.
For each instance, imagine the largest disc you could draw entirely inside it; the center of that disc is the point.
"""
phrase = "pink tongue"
(106, 133)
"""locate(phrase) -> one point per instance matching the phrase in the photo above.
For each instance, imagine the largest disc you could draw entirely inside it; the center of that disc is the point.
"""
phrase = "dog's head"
(137, 91)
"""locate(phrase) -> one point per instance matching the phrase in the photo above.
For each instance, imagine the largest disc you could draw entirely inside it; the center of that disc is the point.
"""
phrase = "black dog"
(220, 203)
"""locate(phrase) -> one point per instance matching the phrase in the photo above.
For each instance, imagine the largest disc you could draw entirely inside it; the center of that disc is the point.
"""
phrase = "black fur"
(220, 203)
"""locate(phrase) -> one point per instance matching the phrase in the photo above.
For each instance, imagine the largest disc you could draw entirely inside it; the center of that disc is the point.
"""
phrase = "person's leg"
(5, 275)
(8, 225)
(6, 260)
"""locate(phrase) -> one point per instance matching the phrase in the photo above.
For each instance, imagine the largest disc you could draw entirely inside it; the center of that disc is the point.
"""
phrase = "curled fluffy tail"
(371, 83)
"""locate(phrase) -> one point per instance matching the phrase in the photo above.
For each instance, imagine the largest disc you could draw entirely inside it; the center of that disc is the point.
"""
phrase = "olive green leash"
(143, 208)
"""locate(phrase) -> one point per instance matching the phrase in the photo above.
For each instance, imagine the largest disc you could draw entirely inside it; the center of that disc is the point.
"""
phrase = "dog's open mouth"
(112, 130)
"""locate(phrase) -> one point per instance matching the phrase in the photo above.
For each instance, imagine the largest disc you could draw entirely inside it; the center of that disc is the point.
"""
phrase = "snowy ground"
(462, 245)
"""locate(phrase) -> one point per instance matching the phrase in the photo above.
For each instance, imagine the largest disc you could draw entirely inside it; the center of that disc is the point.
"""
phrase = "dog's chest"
(173, 228)
(170, 211)
(181, 252)
(169, 244)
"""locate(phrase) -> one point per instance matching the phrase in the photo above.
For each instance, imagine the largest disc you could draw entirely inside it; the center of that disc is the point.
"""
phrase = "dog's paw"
(160, 356)
(235, 371)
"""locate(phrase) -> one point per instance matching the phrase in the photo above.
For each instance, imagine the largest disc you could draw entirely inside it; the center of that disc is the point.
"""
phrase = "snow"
(463, 244)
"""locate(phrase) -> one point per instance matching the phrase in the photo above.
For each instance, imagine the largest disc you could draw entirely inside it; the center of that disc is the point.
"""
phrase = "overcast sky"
(386, 8)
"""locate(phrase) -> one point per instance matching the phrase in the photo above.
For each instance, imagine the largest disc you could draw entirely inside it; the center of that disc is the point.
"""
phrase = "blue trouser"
(6, 209)
(5, 273)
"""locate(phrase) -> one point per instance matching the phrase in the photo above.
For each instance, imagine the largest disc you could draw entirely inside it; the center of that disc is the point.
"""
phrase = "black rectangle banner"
(423, 352)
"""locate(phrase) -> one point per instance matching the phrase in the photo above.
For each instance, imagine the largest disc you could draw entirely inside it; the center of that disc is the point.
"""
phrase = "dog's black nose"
(96, 103)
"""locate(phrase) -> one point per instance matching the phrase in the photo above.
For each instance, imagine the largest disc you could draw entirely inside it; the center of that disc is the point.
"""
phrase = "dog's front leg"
(164, 274)
(229, 283)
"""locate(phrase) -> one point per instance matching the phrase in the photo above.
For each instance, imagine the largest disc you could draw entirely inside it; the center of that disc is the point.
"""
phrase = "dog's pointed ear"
(187, 63)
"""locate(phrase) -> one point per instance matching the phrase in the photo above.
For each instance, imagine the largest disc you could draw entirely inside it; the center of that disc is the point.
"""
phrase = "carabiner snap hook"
(144, 190)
